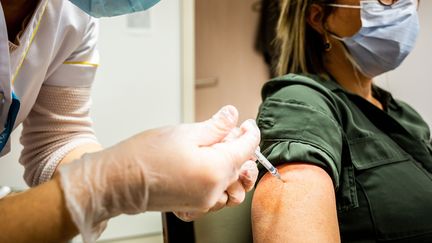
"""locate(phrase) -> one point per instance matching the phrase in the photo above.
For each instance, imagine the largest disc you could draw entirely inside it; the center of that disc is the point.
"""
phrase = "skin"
(37, 215)
(296, 210)
(304, 210)
(15, 13)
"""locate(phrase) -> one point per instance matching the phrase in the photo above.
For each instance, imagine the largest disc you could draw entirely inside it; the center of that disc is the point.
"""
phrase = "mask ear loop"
(328, 47)
(346, 5)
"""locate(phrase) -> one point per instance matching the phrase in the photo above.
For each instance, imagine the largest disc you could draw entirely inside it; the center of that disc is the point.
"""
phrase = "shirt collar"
(382, 95)
(379, 93)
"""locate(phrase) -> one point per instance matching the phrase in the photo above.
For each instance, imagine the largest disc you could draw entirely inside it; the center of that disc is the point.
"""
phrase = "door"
(228, 69)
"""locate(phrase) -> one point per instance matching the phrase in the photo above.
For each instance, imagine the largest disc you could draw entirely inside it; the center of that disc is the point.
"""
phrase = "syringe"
(263, 160)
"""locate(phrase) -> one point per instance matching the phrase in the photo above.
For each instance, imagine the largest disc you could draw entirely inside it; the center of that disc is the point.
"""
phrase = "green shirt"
(380, 161)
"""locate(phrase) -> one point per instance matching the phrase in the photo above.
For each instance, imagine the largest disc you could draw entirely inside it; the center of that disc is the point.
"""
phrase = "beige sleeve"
(58, 123)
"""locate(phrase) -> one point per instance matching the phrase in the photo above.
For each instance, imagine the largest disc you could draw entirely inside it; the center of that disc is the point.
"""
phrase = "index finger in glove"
(218, 127)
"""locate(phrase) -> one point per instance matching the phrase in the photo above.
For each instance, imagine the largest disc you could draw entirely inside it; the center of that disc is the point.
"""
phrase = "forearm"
(303, 209)
(36, 215)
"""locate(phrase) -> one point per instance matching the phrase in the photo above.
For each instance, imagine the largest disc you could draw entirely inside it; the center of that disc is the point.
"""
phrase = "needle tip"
(279, 176)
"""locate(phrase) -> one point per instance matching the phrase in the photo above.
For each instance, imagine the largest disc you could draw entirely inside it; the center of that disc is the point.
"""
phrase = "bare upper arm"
(302, 209)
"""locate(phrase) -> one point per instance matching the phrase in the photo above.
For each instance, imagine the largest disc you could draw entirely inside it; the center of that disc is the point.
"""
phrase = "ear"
(315, 17)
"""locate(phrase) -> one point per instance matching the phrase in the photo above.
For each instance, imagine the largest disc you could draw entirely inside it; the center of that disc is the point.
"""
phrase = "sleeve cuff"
(49, 168)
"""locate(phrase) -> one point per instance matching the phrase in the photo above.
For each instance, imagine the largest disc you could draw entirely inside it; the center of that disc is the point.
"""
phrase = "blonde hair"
(300, 46)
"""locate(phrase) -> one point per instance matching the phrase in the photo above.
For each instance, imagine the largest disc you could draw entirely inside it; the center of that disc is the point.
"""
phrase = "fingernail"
(226, 113)
(251, 122)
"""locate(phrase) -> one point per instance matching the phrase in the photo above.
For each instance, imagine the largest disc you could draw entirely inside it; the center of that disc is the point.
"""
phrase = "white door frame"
(188, 60)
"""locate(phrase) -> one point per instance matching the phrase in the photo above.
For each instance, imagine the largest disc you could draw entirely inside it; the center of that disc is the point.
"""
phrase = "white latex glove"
(184, 168)
(236, 192)
(233, 196)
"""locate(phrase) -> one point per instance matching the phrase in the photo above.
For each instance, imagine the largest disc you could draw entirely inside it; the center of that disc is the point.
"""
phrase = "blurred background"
(180, 62)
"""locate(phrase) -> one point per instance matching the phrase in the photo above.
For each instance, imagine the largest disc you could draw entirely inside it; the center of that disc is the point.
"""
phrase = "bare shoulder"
(306, 198)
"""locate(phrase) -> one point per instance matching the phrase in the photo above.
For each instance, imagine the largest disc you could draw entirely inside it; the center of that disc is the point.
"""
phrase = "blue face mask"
(109, 8)
(388, 34)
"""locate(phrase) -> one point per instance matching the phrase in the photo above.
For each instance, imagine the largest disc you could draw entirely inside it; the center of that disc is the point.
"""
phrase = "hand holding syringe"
(260, 157)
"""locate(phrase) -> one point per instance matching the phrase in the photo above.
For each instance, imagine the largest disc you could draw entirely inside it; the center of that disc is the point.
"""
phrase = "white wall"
(138, 83)
(412, 82)
(138, 87)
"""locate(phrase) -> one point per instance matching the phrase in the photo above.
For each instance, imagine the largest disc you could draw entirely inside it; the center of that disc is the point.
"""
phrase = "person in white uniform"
(47, 66)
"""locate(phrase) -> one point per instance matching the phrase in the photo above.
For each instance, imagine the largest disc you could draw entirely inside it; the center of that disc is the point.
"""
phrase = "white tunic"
(51, 71)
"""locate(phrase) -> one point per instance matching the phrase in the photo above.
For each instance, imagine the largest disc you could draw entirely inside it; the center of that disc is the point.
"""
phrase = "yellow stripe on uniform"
(83, 63)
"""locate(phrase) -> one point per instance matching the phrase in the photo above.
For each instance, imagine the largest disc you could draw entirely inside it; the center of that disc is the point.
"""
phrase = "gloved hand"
(184, 168)
(236, 192)
(233, 196)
